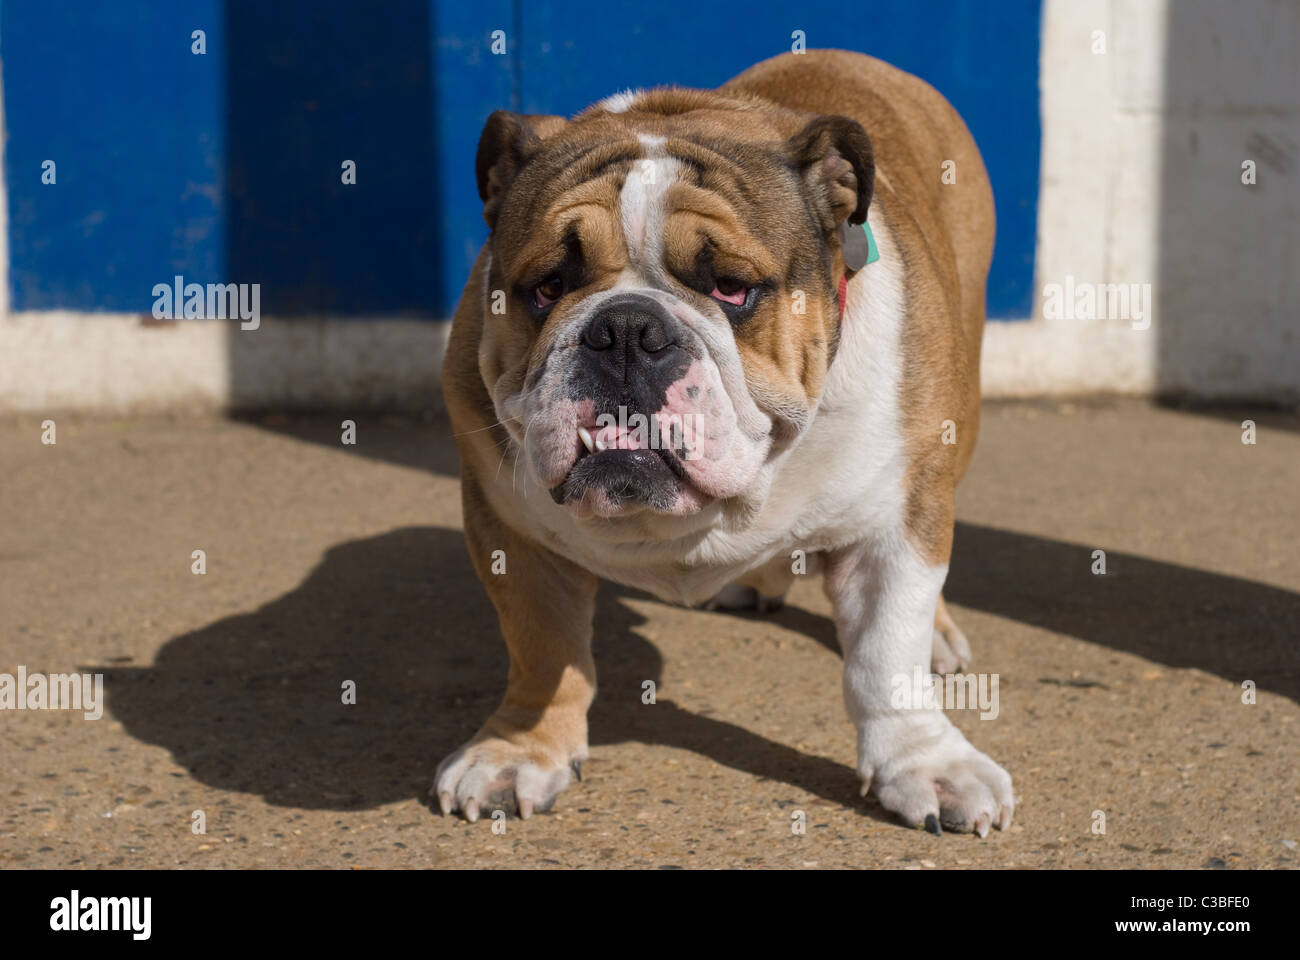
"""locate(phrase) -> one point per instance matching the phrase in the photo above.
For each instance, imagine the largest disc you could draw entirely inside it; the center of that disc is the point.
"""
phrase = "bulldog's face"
(660, 308)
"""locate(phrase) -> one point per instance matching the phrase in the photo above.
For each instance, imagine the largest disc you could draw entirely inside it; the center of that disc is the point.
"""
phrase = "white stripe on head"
(642, 200)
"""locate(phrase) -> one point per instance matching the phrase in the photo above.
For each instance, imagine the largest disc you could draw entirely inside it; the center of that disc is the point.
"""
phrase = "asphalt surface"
(1120, 694)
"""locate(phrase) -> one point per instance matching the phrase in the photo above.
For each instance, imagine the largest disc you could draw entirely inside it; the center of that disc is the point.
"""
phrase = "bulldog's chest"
(842, 482)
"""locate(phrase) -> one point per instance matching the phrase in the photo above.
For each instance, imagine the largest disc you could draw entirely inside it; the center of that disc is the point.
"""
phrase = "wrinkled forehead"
(611, 183)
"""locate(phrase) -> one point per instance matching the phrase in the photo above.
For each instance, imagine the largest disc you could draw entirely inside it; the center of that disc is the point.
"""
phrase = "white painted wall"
(61, 360)
(1141, 183)
(1090, 145)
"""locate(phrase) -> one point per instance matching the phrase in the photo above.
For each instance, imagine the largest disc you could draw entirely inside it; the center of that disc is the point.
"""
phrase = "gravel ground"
(327, 563)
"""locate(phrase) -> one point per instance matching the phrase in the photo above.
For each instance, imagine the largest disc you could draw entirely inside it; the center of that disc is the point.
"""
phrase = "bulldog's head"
(660, 306)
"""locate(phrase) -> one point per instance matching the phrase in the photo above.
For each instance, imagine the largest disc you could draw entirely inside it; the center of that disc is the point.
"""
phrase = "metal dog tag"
(854, 245)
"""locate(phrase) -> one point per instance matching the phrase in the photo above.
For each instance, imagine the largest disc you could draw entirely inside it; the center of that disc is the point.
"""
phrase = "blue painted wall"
(134, 126)
(226, 166)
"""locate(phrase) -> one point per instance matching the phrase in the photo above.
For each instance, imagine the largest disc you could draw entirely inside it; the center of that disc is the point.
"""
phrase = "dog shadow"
(1179, 616)
(255, 702)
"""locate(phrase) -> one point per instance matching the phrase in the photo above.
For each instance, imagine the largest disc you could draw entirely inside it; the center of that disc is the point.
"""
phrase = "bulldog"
(716, 340)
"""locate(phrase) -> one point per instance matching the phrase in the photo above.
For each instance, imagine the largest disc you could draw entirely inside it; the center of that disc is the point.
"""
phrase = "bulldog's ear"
(834, 156)
(505, 143)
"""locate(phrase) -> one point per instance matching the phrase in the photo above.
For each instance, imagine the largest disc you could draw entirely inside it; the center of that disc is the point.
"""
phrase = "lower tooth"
(585, 436)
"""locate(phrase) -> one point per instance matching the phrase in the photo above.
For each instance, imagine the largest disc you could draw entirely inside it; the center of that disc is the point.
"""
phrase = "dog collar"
(858, 247)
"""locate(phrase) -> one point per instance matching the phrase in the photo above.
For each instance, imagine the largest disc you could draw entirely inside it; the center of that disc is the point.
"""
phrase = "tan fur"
(947, 233)
(545, 603)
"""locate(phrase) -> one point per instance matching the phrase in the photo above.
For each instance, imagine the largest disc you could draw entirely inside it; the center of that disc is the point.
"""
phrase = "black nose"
(629, 334)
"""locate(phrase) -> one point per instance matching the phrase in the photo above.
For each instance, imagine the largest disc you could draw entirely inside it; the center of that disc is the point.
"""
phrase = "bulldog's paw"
(490, 773)
(931, 776)
(737, 596)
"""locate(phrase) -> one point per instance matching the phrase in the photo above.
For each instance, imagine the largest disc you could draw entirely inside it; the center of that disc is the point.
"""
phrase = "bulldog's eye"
(729, 290)
(548, 291)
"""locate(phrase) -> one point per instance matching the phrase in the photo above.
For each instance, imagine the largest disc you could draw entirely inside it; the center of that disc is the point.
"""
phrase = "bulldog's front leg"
(917, 763)
(529, 749)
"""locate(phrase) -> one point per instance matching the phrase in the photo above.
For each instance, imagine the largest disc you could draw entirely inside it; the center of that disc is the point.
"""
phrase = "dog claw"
(577, 770)
(444, 803)
(932, 825)
(471, 810)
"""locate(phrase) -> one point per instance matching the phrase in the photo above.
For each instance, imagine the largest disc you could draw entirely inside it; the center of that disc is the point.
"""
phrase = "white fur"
(642, 201)
(919, 764)
(619, 102)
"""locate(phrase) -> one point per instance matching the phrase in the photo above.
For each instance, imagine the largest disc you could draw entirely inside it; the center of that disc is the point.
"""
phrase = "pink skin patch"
(697, 423)
(738, 298)
(720, 461)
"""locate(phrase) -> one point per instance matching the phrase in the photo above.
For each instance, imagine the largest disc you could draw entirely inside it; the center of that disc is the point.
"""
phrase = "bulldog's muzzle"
(629, 357)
